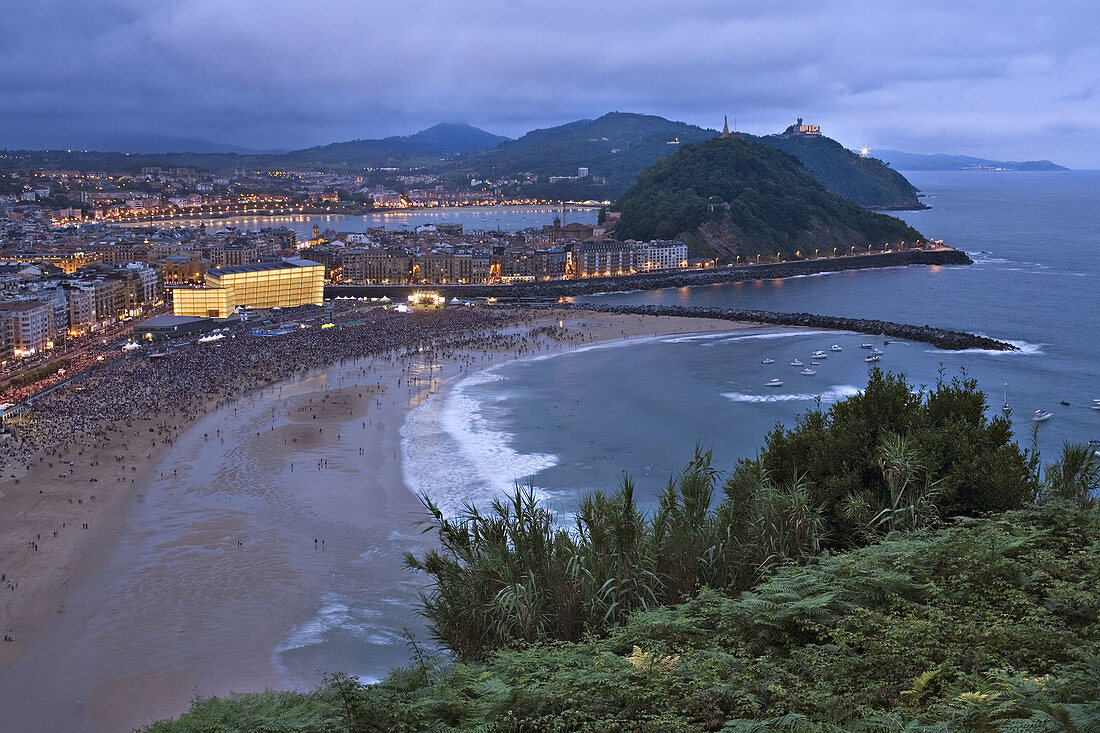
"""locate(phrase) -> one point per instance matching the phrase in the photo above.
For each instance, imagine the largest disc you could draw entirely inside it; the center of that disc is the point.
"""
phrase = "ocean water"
(472, 218)
(580, 421)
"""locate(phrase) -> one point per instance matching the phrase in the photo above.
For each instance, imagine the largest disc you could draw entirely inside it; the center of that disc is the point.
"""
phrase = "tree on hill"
(867, 181)
(739, 197)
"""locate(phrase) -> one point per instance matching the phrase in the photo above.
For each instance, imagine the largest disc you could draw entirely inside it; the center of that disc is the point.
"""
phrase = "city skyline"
(1005, 81)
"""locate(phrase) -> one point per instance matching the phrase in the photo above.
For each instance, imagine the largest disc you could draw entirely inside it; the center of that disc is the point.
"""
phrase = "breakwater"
(654, 281)
(939, 337)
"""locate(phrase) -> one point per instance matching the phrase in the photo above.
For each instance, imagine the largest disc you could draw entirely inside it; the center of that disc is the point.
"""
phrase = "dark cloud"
(1004, 79)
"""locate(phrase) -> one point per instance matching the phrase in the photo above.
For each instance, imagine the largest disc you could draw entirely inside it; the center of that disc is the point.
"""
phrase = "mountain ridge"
(901, 160)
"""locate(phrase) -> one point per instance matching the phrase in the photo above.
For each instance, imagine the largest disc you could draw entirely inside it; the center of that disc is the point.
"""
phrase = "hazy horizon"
(1004, 81)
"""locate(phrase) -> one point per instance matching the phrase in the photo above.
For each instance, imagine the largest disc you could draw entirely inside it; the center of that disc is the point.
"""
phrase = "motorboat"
(808, 372)
(774, 383)
(815, 363)
(877, 351)
(1042, 416)
(872, 357)
(1063, 403)
(1096, 404)
(819, 355)
(835, 347)
(866, 346)
(796, 362)
(767, 361)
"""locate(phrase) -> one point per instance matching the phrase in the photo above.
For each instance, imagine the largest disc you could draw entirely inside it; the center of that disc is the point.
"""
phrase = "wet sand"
(192, 578)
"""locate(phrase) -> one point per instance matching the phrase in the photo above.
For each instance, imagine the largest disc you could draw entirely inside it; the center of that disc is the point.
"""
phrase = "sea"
(584, 420)
(472, 218)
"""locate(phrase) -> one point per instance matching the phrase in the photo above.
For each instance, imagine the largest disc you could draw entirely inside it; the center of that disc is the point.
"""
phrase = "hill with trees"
(929, 587)
(867, 181)
(736, 197)
(614, 148)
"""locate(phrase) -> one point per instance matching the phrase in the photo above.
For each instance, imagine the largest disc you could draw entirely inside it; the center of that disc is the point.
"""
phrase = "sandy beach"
(192, 553)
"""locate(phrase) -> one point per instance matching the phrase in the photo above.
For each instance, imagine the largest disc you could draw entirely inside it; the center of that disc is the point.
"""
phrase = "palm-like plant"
(1076, 477)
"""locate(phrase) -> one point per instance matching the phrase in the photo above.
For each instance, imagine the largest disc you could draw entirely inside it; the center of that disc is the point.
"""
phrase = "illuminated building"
(32, 326)
(799, 129)
(264, 285)
(661, 255)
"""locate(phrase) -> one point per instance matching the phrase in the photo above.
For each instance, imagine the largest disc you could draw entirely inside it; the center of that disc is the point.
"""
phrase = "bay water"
(582, 420)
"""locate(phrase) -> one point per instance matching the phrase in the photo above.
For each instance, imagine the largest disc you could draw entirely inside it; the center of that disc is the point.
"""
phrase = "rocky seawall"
(938, 337)
(566, 288)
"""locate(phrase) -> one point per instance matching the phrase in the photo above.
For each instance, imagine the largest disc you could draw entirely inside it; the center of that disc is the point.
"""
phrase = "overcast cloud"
(1011, 80)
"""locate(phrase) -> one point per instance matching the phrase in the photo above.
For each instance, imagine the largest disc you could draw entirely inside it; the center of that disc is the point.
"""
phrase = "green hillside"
(866, 181)
(737, 197)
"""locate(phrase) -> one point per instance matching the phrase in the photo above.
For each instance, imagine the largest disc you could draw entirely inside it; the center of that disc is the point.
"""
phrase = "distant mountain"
(143, 143)
(614, 148)
(867, 181)
(943, 162)
(617, 146)
(446, 139)
(737, 196)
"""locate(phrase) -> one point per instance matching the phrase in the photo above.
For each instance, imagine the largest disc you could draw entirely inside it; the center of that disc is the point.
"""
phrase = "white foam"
(768, 336)
(1024, 348)
(336, 615)
(452, 453)
(695, 337)
(836, 393)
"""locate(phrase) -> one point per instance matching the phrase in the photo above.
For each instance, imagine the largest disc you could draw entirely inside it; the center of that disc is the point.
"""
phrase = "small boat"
(1063, 403)
(835, 347)
(796, 362)
(877, 351)
(819, 355)
(774, 383)
(808, 372)
(871, 358)
(767, 361)
(815, 363)
(1041, 416)
(866, 346)
(1094, 444)
(1096, 404)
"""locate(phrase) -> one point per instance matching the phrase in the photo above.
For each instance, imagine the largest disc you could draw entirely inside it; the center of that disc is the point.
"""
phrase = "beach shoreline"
(66, 594)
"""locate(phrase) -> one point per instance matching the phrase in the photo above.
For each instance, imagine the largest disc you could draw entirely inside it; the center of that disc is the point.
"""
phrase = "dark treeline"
(886, 459)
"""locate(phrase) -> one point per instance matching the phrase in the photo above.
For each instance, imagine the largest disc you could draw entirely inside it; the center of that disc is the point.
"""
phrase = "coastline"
(675, 279)
(101, 678)
(941, 338)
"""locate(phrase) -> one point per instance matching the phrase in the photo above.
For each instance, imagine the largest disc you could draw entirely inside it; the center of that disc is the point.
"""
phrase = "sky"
(1006, 80)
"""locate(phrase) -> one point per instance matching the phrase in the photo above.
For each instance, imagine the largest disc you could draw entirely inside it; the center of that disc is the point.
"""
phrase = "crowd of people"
(194, 376)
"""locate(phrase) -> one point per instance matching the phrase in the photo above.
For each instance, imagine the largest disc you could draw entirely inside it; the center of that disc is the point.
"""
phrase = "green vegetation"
(741, 198)
(922, 616)
(867, 181)
(38, 373)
